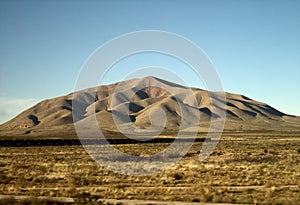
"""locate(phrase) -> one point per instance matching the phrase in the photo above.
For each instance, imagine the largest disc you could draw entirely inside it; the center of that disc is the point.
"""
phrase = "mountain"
(121, 105)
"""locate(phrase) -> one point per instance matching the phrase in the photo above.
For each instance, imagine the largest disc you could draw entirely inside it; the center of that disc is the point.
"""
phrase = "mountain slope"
(133, 101)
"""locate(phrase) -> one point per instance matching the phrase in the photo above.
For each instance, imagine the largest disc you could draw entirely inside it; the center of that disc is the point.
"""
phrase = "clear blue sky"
(254, 45)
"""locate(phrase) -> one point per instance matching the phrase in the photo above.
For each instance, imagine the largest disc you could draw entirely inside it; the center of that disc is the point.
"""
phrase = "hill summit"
(131, 103)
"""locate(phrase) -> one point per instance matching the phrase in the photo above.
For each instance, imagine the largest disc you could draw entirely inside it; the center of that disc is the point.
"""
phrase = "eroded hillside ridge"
(146, 95)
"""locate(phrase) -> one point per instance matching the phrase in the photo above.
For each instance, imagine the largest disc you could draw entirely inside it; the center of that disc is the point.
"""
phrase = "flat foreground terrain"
(244, 169)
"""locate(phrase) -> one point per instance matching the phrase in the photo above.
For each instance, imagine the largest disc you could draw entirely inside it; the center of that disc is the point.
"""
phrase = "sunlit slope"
(53, 117)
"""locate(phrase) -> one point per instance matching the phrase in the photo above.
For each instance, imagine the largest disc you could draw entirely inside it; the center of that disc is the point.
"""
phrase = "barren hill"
(131, 102)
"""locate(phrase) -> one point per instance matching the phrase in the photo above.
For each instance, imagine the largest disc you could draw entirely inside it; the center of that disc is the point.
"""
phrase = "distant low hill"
(53, 117)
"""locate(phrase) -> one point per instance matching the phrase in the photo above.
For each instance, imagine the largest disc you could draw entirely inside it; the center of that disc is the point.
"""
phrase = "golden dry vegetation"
(242, 170)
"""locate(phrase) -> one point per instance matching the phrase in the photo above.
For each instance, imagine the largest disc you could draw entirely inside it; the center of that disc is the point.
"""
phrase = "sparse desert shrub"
(195, 200)
(4, 179)
(9, 200)
(178, 176)
(205, 197)
(28, 201)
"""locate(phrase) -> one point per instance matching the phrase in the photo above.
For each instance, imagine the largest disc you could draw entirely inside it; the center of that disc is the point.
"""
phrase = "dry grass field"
(242, 170)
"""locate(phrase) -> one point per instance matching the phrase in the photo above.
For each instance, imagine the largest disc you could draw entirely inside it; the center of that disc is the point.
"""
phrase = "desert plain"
(253, 168)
